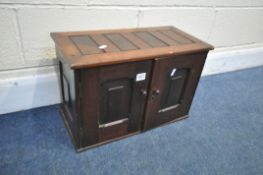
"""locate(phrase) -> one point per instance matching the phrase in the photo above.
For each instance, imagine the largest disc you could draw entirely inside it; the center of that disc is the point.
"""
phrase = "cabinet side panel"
(69, 106)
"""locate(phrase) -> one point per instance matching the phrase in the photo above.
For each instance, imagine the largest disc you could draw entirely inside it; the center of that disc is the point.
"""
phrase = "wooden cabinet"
(116, 83)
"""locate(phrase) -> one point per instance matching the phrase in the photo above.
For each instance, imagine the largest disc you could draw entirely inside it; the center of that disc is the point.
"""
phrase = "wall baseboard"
(227, 60)
(29, 88)
(36, 87)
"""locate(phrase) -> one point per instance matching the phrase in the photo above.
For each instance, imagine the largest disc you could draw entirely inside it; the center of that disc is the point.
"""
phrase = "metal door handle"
(155, 93)
(143, 92)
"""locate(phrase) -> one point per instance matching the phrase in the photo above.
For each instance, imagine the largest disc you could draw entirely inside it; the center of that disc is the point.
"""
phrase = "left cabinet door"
(113, 100)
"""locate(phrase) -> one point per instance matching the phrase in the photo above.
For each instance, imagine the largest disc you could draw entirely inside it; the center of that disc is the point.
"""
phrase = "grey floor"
(224, 135)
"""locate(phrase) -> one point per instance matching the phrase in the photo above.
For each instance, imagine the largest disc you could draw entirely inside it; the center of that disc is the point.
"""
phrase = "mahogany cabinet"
(116, 83)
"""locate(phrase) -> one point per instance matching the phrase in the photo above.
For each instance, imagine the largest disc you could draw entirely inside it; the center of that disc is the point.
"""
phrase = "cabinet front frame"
(89, 133)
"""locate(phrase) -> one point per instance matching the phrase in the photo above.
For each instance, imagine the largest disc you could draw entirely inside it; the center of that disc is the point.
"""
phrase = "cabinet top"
(103, 47)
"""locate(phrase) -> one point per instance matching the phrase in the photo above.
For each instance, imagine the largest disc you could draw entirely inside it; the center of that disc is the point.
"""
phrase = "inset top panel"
(103, 47)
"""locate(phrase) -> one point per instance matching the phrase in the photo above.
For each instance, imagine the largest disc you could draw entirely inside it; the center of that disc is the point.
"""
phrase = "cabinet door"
(173, 84)
(113, 100)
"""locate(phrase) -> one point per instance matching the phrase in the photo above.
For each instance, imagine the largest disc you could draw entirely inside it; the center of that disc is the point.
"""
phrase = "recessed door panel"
(173, 84)
(173, 90)
(116, 100)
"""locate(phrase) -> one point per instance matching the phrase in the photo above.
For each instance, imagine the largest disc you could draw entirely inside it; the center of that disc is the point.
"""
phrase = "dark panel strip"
(108, 46)
(121, 42)
(164, 38)
(150, 39)
(177, 37)
(136, 41)
(86, 45)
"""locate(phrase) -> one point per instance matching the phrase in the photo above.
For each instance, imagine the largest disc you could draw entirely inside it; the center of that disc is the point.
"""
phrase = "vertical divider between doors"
(149, 90)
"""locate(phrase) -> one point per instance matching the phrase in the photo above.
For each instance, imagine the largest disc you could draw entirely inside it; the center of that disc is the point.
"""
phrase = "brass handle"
(155, 93)
(143, 92)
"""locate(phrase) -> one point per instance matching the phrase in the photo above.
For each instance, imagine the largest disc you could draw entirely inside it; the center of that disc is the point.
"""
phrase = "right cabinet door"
(172, 88)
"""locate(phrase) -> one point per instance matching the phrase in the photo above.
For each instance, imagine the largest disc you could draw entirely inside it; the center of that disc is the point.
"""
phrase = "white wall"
(27, 49)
